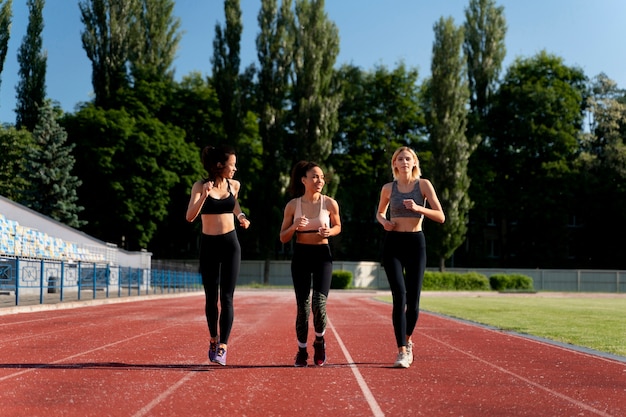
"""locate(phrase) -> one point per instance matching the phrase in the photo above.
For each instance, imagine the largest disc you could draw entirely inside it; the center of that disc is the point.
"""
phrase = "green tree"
(31, 88)
(535, 124)
(52, 189)
(601, 169)
(447, 96)
(129, 164)
(14, 147)
(485, 31)
(483, 45)
(226, 62)
(6, 17)
(315, 97)
(275, 55)
(157, 39)
(379, 113)
(108, 40)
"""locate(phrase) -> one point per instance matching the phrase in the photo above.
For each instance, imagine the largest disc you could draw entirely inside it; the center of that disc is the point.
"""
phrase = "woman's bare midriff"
(217, 224)
(311, 239)
(407, 224)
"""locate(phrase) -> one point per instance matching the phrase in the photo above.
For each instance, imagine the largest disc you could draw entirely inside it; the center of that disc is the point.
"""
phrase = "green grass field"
(593, 322)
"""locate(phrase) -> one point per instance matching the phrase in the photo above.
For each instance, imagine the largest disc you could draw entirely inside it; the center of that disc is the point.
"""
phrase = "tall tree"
(226, 61)
(108, 41)
(601, 169)
(535, 124)
(52, 189)
(446, 101)
(157, 38)
(275, 55)
(6, 17)
(315, 95)
(484, 48)
(31, 89)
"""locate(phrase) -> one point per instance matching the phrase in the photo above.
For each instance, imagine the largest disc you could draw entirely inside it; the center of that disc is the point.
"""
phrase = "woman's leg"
(395, 275)
(301, 277)
(231, 262)
(209, 269)
(322, 277)
(415, 265)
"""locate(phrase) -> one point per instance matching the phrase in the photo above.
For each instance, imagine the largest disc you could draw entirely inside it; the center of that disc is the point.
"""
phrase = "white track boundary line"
(369, 397)
(521, 378)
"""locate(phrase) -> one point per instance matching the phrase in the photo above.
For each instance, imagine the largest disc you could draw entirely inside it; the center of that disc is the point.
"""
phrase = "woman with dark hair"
(404, 251)
(215, 200)
(312, 217)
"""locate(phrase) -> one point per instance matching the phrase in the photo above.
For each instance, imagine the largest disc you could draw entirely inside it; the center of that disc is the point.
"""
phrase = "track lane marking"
(43, 366)
(521, 378)
(369, 397)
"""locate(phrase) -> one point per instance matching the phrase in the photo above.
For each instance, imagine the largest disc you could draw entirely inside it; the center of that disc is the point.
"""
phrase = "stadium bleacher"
(18, 240)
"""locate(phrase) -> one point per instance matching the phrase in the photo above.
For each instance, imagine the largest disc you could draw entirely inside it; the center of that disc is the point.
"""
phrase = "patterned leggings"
(311, 263)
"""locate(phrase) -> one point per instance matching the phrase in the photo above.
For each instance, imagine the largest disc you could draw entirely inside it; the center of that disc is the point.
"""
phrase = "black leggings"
(404, 259)
(220, 258)
(311, 262)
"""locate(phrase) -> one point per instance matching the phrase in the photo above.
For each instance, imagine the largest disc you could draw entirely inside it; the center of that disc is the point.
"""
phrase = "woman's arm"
(288, 228)
(435, 212)
(199, 193)
(335, 219)
(383, 204)
(239, 214)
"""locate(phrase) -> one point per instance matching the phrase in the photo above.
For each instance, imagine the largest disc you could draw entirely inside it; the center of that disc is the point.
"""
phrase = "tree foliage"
(315, 97)
(446, 99)
(275, 55)
(6, 17)
(534, 138)
(31, 88)
(52, 187)
(108, 38)
(226, 62)
(157, 38)
(484, 48)
(14, 147)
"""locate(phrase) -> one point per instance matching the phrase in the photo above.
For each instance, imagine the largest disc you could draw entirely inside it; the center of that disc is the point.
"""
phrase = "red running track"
(147, 357)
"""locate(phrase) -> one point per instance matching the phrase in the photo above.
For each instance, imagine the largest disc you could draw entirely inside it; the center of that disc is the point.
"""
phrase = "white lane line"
(521, 378)
(148, 407)
(85, 352)
(369, 397)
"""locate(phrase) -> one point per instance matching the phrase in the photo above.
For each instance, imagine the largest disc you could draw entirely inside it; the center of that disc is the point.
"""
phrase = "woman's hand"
(301, 222)
(389, 226)
(324, 231)
(207, 187)
(410, 204)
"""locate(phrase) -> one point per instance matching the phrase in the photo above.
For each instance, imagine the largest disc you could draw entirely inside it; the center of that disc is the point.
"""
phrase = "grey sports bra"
(396, 205)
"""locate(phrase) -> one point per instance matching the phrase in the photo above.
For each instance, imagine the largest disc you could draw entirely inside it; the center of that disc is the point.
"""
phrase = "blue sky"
(587, 34)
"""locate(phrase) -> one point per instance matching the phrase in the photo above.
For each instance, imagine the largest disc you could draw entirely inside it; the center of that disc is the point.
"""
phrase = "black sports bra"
(219, 206)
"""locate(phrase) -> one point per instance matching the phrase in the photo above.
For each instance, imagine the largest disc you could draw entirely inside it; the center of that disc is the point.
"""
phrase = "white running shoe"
(409, 352)
(402, 361)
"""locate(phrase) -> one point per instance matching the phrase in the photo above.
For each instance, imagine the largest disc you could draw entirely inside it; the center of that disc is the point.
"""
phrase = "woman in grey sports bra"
(312, 218)
(404, 250)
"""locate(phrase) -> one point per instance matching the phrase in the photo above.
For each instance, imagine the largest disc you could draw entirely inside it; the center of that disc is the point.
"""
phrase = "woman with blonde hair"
(404, 250)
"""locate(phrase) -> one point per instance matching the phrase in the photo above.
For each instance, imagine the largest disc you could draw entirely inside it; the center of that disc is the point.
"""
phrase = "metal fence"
(371, 275)
(60, 281)
(54, 281)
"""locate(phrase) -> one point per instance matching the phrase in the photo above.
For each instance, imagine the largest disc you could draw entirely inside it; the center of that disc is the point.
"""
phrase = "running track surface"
(147, 357)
